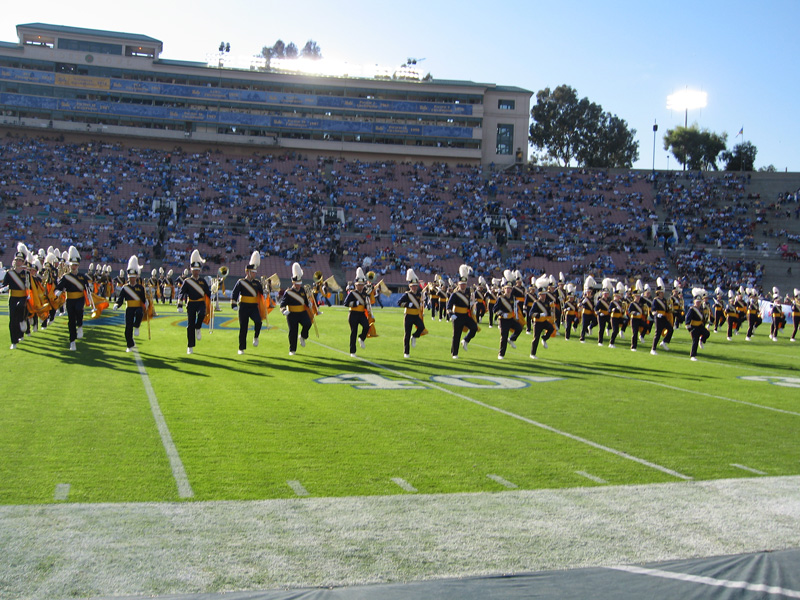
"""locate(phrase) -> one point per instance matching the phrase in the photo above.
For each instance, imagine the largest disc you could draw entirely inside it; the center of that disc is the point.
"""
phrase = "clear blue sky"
(627, 55)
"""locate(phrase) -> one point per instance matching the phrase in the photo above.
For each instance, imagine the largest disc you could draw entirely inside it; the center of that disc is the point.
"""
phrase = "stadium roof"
(117, 35)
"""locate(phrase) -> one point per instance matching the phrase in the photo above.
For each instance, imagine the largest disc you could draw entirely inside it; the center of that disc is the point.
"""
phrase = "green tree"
(741, 158)
(311, 50)
(566, 128)
(694, 148)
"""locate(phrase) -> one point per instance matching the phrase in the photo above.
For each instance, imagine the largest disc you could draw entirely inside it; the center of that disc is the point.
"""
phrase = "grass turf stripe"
(178, 472)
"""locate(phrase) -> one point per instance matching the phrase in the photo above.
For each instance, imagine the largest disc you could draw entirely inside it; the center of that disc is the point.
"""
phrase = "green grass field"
(268, 425)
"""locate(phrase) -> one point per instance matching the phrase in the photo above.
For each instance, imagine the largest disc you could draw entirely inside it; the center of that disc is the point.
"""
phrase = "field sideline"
(580, 422)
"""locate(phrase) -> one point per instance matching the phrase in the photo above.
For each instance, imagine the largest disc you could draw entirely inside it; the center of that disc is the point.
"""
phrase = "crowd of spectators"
(111, 201)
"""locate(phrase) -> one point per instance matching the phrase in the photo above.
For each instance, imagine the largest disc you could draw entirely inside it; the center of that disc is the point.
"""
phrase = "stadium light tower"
(687, 100)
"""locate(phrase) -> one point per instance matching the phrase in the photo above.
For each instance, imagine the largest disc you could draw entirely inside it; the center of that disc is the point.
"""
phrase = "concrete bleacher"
(99, 196)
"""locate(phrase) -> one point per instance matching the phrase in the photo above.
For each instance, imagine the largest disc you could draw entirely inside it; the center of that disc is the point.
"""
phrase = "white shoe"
(730, 338)
(190, 351)
(73, 346)
(664, 346)
(500, 357)
(80, 333)
(633, 349)
(413, 342)
(303, 342)
(512, 344)
(199, 335)
(13, 347)
(694, 358)
(611, 346)
(240, 352)
(775, 338)
(653, 352)
(544, 344)
(490, 326)
(292, 354)
(464, 345)
(352, 354)
(255, 342)
(136, 332)
(455, 356)
(361, 343)
(792, 340)
(583, 341)
(599, 343)
(533, 356)
(128, 349)
(747, 339)
(406, 356)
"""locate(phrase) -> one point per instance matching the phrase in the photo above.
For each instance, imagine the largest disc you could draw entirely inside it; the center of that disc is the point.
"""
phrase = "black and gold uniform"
(246, 296)
(296, 306)
(75, 286)
(411, 302)
(459, 305)
(617, 313)
(570, 313)
(16, 280)
(588, 316)
(638, 316)
(358, 302)
(541, 316)
(133, 294)
(197, 296)
(505, 309)
(661, 312)
(753, 316)
(718, 310)
(778, 319)
(795, 315)
(696, 325)
(602, 308)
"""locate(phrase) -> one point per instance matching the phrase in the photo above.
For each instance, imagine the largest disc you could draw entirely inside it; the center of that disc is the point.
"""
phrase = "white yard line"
(178, 472)
(748, 469)
(591, 477)
(62, 491)
(566, 434)
(404, 484)
(711, 581)
(503, 482)
(298, 488)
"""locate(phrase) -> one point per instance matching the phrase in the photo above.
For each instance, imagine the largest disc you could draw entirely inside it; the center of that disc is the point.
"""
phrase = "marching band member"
(540, 312)
(570, 310)
(753, 314)
(359, 304)
(617, 311)
(197, 295)
(15, 280)
(245, 296)
(530, 297)
(795, 313)
(133, 295)
(76, 286)
(480, 299)
(676, 304)
(491, 300)
(638, 315)
(588, 317)
(718, 309)
(732, 313)
(178, 285)
(505, 309)
(660, 309)
(696, 322)
(778, 318)
(602, 308)
(411, 301)
(459, 305)
(296, 306)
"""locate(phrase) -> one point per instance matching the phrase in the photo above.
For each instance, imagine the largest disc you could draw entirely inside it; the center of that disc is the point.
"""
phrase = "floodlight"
(687, 100)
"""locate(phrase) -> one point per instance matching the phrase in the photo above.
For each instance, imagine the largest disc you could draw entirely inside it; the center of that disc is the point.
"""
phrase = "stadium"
(591, 471)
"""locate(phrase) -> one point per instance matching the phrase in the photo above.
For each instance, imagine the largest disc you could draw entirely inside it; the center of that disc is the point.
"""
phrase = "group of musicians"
(38, 290)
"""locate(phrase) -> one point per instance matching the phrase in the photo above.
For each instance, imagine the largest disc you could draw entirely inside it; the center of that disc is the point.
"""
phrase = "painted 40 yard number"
(369, 381)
